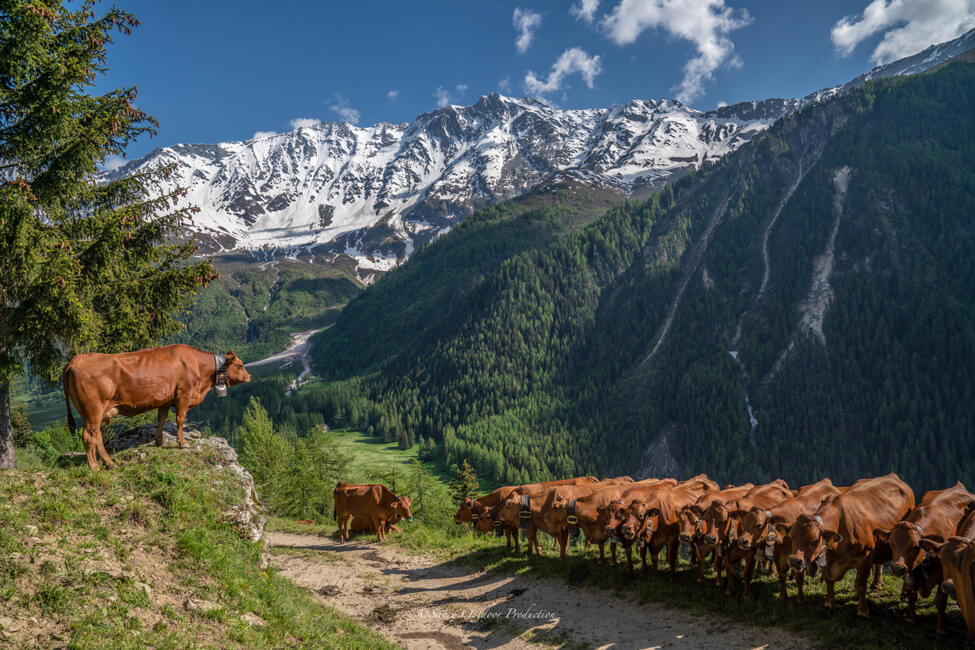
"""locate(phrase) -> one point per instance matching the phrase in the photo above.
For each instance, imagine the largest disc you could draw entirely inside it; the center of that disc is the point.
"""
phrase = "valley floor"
(424, 602)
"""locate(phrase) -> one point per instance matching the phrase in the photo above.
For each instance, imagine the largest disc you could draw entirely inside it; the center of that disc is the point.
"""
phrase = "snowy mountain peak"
(374, 193)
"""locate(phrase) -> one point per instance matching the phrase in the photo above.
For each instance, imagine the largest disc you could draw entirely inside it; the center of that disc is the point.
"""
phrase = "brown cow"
(521, 508)
(102, 386)
(839, 535)
(654, 521)
(762, 497)
(488, 507)
(593, 512)
(767, 529)
(559, 514)
(376, 504)
(692, 526)
(932, 573)
(936, 518)
(616, 513)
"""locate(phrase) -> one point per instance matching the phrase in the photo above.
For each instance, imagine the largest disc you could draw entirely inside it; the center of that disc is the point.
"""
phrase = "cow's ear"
(832, 539)
(231, 355)
(697, 510)
(653, 512)
(931, 545)
(782, 528)
(882, 535)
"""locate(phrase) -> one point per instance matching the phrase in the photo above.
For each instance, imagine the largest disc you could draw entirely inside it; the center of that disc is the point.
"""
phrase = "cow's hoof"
(863, 614)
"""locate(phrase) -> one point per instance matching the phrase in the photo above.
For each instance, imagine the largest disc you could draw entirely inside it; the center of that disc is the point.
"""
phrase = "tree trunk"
(7, 458)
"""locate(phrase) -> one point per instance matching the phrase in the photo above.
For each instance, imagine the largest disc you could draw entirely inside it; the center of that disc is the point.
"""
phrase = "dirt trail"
(419, 602)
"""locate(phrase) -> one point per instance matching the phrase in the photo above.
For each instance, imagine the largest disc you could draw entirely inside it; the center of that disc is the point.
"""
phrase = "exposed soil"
(420, 602)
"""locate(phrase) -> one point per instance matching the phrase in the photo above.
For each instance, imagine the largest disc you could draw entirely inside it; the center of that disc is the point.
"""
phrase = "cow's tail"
(67, 400)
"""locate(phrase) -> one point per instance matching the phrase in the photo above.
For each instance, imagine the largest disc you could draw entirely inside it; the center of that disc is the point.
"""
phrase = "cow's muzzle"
(685, 538)
(744, 544)
(711, 539)
(898, 569)
(796, 563)
(949, 587)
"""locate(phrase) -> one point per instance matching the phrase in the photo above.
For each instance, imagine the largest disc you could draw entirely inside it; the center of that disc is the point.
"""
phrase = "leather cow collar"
(571, 519)
(525, 514)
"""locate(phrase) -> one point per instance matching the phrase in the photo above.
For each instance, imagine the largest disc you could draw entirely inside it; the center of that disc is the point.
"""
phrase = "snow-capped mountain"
(374, 193)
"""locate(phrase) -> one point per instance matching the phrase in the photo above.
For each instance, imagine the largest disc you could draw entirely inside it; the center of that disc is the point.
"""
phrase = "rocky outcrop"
(247, 517)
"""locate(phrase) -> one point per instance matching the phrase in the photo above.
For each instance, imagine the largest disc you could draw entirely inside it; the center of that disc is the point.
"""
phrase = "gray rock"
(201, 606)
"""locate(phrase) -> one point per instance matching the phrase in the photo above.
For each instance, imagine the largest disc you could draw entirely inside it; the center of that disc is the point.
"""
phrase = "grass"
(841, 629)
(108, 559)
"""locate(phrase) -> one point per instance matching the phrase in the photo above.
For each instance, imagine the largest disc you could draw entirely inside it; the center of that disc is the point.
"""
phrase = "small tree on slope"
(85, 267)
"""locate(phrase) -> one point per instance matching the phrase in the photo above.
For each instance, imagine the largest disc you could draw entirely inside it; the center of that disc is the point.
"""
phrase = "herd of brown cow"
(820, 529)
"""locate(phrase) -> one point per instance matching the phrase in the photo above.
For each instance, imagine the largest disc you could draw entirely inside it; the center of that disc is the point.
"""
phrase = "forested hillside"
(821, 275)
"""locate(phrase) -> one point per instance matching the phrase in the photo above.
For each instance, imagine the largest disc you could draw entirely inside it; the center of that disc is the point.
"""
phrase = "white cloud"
(113, 162)
(705, 23)
(462, 88)
(260, 135)
(584, 9)
(722, 104)
(909, 26)
(301, 122)
(392, 94)
(347, 113)
(526, 22)
(505, 85)
(340, 106)
(571, 61)
(442, 96)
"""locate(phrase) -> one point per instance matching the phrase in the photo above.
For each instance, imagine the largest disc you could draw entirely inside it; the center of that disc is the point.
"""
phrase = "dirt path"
(419, 602)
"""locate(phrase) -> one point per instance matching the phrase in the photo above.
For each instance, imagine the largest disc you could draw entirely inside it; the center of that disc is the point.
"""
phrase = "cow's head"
(928, 574)
(484, 520)
(557, 513)
(401, 508)
(717, 524)
(635, 520)
(810, 543)
(614, 515)
(905, 545)
(465, 513)
(754, 528)
(236, 372)
(508, 511)
(689, 522)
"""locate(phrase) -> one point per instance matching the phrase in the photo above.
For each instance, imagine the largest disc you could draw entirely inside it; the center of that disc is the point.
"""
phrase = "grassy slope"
(74, 579)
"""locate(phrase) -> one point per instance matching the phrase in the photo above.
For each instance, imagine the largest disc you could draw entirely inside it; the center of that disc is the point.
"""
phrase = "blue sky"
(216, 71)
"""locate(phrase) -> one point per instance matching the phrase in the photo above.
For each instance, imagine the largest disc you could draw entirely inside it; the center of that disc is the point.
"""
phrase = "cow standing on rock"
(102, 386)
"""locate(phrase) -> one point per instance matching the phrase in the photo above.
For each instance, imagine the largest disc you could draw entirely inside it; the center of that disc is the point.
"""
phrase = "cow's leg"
(783, 574)
(700, 563)
(830, 591)
(718, 564)
(533, 537)
(672, 557)
(100, 443)
(629, 558)
(643, 558)
(91, 447)
(863, 575)
(563, 542)
(654, 562)
(747, 577)
(344, 527)
(181, 410)
(395, 527)
(941, 603)
(602, 555)
(612, 553)
(799, 576)
(161, 417)
(878, 577)
(514, 534)
(730, 572)
(911, 615)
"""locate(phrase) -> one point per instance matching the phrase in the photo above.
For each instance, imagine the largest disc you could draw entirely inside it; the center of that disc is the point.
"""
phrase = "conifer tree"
(87, 266)
(464, 484)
